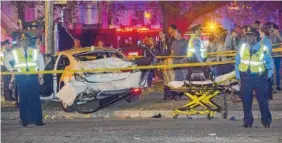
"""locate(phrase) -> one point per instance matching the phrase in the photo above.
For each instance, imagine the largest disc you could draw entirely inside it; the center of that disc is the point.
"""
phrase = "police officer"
(28, 59)
(5, 49)
(196, 51)
(253, 67)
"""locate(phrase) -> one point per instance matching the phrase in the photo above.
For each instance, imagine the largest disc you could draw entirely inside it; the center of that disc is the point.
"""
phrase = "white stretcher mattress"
(218, 79)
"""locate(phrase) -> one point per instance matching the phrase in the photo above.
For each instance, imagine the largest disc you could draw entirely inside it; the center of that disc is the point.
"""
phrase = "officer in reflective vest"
(5, 50)
(253, 67)
(28, 60)
(196, 50)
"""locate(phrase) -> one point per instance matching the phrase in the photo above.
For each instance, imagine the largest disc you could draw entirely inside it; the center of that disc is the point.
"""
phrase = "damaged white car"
(87, 92)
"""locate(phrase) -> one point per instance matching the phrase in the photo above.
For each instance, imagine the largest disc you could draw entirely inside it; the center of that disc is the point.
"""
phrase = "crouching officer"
(27, 59)
(253, 67)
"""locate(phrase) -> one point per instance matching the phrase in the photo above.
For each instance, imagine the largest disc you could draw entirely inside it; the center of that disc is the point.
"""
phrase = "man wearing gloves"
(253, 67)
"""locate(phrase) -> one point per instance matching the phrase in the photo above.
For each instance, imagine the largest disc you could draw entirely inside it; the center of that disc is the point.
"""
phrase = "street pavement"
(140, 131)
(149, 105)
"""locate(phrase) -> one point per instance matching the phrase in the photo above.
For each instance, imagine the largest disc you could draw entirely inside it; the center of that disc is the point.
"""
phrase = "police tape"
(213, 54)
(166, 66)
(106, 70)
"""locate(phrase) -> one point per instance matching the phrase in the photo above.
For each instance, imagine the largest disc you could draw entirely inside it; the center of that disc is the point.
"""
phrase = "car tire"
(132, 98)
(67, 108)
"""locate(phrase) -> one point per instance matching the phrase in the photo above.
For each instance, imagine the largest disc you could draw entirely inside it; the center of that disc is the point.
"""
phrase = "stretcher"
(201, 92)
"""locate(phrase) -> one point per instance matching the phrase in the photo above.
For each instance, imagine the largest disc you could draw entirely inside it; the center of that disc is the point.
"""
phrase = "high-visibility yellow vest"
(254, 62)
(191, 48)
(23, 64)
(1, 57)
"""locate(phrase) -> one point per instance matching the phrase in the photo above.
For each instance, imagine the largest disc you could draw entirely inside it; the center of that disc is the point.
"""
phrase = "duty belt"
(247, 74)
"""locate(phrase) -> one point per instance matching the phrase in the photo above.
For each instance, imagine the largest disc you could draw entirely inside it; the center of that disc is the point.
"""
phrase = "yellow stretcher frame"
(201, 95)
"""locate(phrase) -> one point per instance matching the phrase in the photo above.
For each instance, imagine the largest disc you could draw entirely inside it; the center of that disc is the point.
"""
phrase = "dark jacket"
(169, 41)
(162, 49)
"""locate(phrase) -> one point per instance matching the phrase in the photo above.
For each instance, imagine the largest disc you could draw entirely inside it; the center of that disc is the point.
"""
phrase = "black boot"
(40, 124)
(246, 126)
(266, 125)
(24, 124)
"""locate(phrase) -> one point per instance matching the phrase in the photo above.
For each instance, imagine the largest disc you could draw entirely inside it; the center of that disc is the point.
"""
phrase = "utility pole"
(49, 11)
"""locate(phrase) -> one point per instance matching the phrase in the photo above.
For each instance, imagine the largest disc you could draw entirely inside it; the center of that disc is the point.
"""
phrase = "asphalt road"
(140, 131)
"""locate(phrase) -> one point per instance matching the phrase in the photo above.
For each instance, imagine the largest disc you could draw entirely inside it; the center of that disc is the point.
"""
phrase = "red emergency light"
(124, 30)
(143, 29)
(131, 29)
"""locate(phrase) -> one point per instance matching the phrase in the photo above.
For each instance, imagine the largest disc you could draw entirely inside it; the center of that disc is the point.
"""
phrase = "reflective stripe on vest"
(254, 62)
(191, 48)
(2, 58)
(22, 64)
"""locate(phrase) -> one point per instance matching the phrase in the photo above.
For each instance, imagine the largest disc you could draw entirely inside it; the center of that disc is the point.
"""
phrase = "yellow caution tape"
(101, 70)
(213, 54)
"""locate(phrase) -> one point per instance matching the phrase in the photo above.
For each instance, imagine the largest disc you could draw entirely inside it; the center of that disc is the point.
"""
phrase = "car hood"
(106, 76)
(106, 63)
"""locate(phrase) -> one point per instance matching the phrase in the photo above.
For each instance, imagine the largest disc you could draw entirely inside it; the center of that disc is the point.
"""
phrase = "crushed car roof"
(86, 49)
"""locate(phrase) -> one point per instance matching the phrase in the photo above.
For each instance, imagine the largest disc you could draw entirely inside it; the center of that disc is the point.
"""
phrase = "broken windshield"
(96, 55)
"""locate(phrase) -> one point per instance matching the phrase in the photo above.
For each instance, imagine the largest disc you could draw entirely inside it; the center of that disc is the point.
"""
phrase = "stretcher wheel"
(210, 116)
(175, 116)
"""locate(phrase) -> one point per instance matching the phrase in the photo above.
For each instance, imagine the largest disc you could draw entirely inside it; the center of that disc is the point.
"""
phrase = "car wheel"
(67, 108)
(132, 98)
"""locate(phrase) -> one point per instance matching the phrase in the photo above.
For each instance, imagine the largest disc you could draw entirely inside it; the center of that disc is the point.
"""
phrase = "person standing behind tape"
(179, 48)
(169, 60)
(253, 66)
(164, 51)
(265, 40)
(196, 51)
(5, 50)
(276, 38)
(28, 59)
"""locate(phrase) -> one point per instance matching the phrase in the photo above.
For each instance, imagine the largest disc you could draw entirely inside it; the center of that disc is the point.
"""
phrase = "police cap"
(250, 31)
(196, 27)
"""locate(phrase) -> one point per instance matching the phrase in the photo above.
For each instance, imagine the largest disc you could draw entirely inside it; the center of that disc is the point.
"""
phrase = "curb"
(166, 114)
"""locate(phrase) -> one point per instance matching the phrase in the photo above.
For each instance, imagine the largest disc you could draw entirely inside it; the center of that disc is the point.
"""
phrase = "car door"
(47, 89)
(63, 62)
